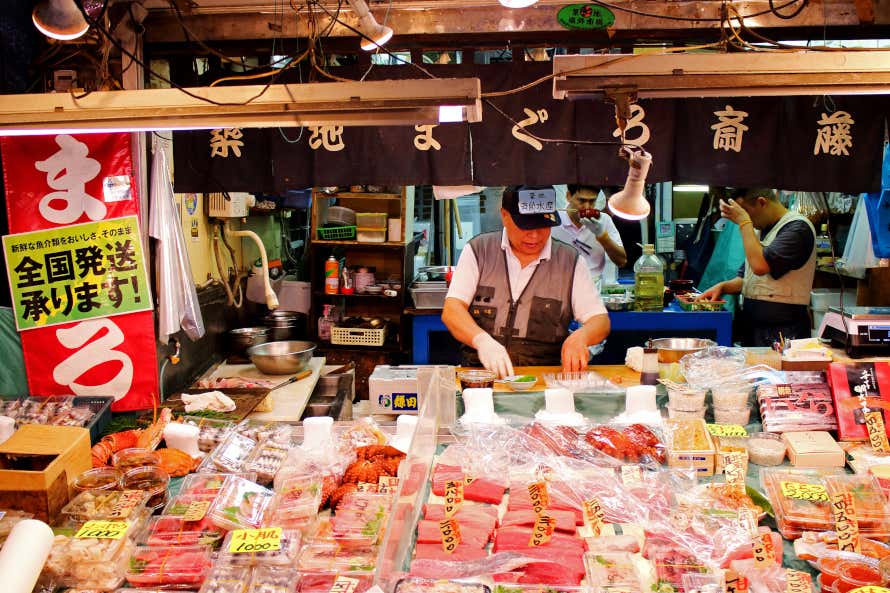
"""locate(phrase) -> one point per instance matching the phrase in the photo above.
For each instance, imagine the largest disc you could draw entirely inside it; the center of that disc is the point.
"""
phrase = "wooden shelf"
(375, 297)
(361, 244)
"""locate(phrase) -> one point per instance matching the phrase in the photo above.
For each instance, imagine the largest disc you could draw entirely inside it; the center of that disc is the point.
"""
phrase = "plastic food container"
(152, 480)
(225, 578)
(872, 508)
(731, 395)
(675, 413)
(209, 483)
(852, 575)
(328, 556)
(688, 400)
(265, 460)
(259, 431)
(766, 448)
(732, 415)
(230, 455)
(89, 563)
(523, 383)
(296, 500)
(172, 567)
(240, 504)
(476, 378)
(174, 530)
(106, 505)
(98, 478)
(286, 555)
(126, 459)
(273, 579)
(180, 503)
(828, 566)
(212, 431)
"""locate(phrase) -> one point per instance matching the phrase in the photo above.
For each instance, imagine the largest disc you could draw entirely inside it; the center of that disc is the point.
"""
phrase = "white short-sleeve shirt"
(598, 263)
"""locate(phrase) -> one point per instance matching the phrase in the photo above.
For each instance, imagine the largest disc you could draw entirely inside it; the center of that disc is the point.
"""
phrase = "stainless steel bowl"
(618, 302)
(281, 358)
(673, 349)
(242, 338)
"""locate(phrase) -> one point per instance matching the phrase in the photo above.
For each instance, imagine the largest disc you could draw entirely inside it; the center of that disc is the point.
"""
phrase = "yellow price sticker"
(196, 510)
(845, 523)
(542, 531)
(870, 589)
(797, 582)
(727, 430)
(593, 515)
(450, 530)
(103, 530)
(877, 432)
(454, 497)
(631, 474)
(801, 491)
(266, 539)
(540, 497)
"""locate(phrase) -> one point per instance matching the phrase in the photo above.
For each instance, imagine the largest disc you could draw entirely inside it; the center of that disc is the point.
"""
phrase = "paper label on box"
(542, 531)
(797, 582)
(540, 497)
(103, 530)
(266, 539)
(125, 503)
(593, 515)
(800, 491)
(450, 530)
(845, 523)
(344, 585)
(454, 497)
(727, 430)
(877, 433)
(196, 510)
(735, 583)
(631, 474)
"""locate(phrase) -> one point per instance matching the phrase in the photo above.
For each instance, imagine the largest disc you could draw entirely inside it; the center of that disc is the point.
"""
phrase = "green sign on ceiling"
(585, 17)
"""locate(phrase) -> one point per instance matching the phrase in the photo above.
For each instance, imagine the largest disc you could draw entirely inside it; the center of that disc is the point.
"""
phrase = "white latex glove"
(597, 226)
(493, 355)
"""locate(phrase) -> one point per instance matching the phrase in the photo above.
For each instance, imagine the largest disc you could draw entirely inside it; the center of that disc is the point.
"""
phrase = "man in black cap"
(514, 293)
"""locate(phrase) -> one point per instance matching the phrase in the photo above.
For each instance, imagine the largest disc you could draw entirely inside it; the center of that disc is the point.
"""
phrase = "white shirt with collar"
(598, 263)
(586, 301)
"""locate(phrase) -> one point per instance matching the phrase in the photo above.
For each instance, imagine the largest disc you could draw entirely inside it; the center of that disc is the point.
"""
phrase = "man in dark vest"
(514, 293)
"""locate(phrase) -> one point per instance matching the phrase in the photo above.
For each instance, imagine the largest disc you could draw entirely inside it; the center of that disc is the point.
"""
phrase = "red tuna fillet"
(479, 490)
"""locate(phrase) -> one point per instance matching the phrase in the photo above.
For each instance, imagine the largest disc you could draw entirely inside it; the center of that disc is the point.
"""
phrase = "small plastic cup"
(828, 566)
(731, 395)
(675, 413)
(476, 378)
(149, 479)
(127, 459)
(732, 415)
(98, 478)
(766, 448)
(687, 399)
(852, 575)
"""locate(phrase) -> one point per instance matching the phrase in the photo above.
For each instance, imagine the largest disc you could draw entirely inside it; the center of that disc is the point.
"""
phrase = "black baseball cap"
(527, 222)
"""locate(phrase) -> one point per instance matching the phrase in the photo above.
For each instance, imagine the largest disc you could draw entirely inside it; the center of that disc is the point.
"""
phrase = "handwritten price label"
(593, 515)
(540, 497)
(255, 540)
(631, 474)
(871, 589)
(387, 484)
(877, 432)
(748, 522)
(764, 551)
(845, 523)
(784, 390)
(542, 531)
(797, 582)
(196, 510)
(344, 585)
(450, 531)
(103, 530)
(735, 465)
(126, 502)
(454, 497)
(727, 430)
(366, 487)
(735, 583)
(800, 491)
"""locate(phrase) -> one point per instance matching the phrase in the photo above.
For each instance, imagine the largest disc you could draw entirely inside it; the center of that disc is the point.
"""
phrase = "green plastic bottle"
(649, 278)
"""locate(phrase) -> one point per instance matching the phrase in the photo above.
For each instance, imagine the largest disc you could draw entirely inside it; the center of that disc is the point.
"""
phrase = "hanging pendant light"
(629, 203)
(59, 19)
(517, 3)
(375, 34)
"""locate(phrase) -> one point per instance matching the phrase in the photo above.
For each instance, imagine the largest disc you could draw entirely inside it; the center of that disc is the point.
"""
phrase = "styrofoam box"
(394, 390)
(823, 298)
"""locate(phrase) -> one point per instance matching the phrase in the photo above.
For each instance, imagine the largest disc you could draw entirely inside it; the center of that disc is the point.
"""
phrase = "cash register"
(861, 330)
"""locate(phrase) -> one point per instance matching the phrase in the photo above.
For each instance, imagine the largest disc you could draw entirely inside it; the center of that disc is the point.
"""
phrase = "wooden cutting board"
(246, 399)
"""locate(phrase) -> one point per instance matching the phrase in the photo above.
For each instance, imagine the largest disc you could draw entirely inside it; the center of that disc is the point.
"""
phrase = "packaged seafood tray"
(209, 483)
(870, 502)
(327, 556)
(8, 520)
(274, 579)
(285, 555)
(257, 430)
(174, 530)
(180, 504)
(212, 431)
(799, 499)
(616, 569)
(422, 585)
(106, 505)
(689, 445)
(265, 460)
(230, 455)
(240, 504)
(225, 578)
(323, 582)
(91, 412)
(296, 501)
(521, 588)
(168, 567)
(89, 563)
(361, 519)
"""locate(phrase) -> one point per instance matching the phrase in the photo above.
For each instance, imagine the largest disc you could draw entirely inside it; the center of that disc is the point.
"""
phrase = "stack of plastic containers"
(730, 401)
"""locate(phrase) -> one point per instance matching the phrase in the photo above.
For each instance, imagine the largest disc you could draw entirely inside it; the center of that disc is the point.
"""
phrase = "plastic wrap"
(712, 366)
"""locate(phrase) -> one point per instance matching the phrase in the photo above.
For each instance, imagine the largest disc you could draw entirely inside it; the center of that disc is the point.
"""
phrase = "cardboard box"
(813, 448)
(37, 466)
(682, 456)
(394, 390)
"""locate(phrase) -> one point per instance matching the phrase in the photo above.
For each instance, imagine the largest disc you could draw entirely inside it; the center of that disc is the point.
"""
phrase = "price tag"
(735, 465)
(797, 582)
(735, 583)
(870, 589)
(877, 433)
(540, 497)
(126, 502)
(454, 497)
(103, 530)
(764, 551)
(450, 531)
(784, 390)
(727, 430)
(255, 540)
(468, 479)
(593, 515)
(536, 201)
(748, 522)
(800, 491)
(344, 585)
(196, 510)
(542, 531)
(365, 487)
(631, 474)
(845, 523)
(387, 484)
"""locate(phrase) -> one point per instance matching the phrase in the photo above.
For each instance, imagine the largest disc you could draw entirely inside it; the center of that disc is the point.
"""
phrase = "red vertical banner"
(61, 180)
